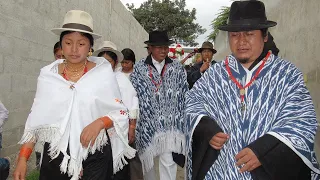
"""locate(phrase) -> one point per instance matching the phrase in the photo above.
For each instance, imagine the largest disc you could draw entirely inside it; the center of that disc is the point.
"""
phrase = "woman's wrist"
(25, 153)
(106, 122)
(132, 123)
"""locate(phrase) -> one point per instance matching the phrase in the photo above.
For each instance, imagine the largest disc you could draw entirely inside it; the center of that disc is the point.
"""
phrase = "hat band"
(254, 21)
(77, 26)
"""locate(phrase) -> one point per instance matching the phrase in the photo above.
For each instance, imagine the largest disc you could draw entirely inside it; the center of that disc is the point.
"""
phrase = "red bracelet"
(107, 122)
(25, 152)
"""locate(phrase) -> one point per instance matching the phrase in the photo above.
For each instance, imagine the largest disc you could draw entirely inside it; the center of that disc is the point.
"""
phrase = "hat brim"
(58, 31)
(213, 50)
(159, 43)
(118, 53)
(246, 27)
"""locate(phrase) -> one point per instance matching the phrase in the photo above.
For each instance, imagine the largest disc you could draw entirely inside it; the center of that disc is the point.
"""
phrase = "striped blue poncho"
(277, 103)
(160, 126)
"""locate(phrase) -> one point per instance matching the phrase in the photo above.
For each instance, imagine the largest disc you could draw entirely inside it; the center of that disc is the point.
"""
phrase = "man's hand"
(218, 140)
(247, 160)
(204, 66)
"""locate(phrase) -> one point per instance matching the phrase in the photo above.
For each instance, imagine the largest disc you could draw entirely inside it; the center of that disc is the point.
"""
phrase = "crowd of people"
(100, 114)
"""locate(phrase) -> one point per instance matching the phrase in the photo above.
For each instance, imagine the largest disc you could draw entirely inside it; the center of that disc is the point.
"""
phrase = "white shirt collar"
(158, 65)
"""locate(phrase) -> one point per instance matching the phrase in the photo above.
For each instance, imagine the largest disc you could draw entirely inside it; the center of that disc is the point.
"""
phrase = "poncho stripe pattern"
(160, 127)
(277, 103)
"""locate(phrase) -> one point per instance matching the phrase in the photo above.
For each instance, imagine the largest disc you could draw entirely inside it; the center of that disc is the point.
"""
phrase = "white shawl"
(61, 111)
(128, 94)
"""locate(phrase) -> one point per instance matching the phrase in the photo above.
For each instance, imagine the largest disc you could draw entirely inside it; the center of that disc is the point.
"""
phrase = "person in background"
(127, 69)
(57, 51)
(129, 59)
(196, 71)
(4, 113)
(109, 51)
(161, 84)
(4, 162)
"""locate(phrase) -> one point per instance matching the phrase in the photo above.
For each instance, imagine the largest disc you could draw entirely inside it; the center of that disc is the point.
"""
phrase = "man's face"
(206, 55)
(246, 46)
(159, 53)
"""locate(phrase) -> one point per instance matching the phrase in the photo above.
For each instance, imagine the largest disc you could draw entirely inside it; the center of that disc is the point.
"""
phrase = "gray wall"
(297, 37)
(26, 44)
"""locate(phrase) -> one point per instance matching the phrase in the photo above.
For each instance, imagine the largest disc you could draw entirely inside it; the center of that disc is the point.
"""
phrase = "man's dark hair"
(271, 45)
(264, 32)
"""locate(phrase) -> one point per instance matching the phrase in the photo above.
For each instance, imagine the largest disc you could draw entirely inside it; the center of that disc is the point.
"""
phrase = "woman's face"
(111, 61)
(127, 65)
(75, 47)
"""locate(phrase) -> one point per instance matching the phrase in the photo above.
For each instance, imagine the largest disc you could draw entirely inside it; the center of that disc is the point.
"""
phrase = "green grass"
(34, 175)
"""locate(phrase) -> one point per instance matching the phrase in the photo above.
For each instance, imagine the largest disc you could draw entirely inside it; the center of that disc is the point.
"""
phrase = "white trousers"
(167, 168)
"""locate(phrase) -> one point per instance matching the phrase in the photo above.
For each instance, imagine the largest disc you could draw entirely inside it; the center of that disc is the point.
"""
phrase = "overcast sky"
(206, 11)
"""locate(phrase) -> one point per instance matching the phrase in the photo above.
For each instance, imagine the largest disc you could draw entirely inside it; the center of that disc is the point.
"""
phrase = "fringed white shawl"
(128, 94)
(61, 111)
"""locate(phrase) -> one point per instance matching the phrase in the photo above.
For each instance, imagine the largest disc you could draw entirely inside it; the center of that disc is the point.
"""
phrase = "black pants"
(123, 174)
(97, 166)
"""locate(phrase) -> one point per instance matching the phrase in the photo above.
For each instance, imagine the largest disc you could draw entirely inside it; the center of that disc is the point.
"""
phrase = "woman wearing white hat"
(76, 104)
(109, 51)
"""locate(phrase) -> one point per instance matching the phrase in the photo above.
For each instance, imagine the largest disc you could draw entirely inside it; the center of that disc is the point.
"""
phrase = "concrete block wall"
(26, 45)
(296, 35)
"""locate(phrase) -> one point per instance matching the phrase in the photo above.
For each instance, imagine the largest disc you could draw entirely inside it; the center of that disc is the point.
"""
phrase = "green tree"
(221, 19)
(171, 16)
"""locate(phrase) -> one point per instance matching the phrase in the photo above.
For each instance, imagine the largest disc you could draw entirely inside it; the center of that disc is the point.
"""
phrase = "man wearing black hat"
(195, 72)
(251, 115)
(161, 84)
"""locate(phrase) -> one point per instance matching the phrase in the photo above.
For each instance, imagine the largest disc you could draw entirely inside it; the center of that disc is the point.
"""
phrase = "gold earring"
(61, 52)
(90, 52)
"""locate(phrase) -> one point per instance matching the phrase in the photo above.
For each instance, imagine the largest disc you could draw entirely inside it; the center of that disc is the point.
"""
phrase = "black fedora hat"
(158, 38)
(247, 16)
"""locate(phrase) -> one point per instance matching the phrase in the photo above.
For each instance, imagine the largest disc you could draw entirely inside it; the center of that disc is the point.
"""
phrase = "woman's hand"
(21, 169)
(90, 133)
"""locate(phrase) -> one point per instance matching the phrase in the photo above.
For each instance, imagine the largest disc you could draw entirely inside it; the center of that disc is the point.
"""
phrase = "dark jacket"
(193, 74)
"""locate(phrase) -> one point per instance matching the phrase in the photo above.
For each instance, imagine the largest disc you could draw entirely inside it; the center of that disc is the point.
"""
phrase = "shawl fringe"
(162, 142)
(120, 161)
(68, 165)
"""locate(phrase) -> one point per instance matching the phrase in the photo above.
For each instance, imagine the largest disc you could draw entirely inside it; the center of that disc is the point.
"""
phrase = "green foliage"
(221, 19)
(34, 175)
(171, 16)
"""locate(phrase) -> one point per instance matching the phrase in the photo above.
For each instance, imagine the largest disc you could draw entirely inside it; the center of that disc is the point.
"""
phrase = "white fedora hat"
(109, 46)
(79, 21)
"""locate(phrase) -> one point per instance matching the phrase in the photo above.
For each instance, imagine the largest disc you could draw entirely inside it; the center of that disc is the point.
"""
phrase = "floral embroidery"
(122, 112)
(119, 101)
